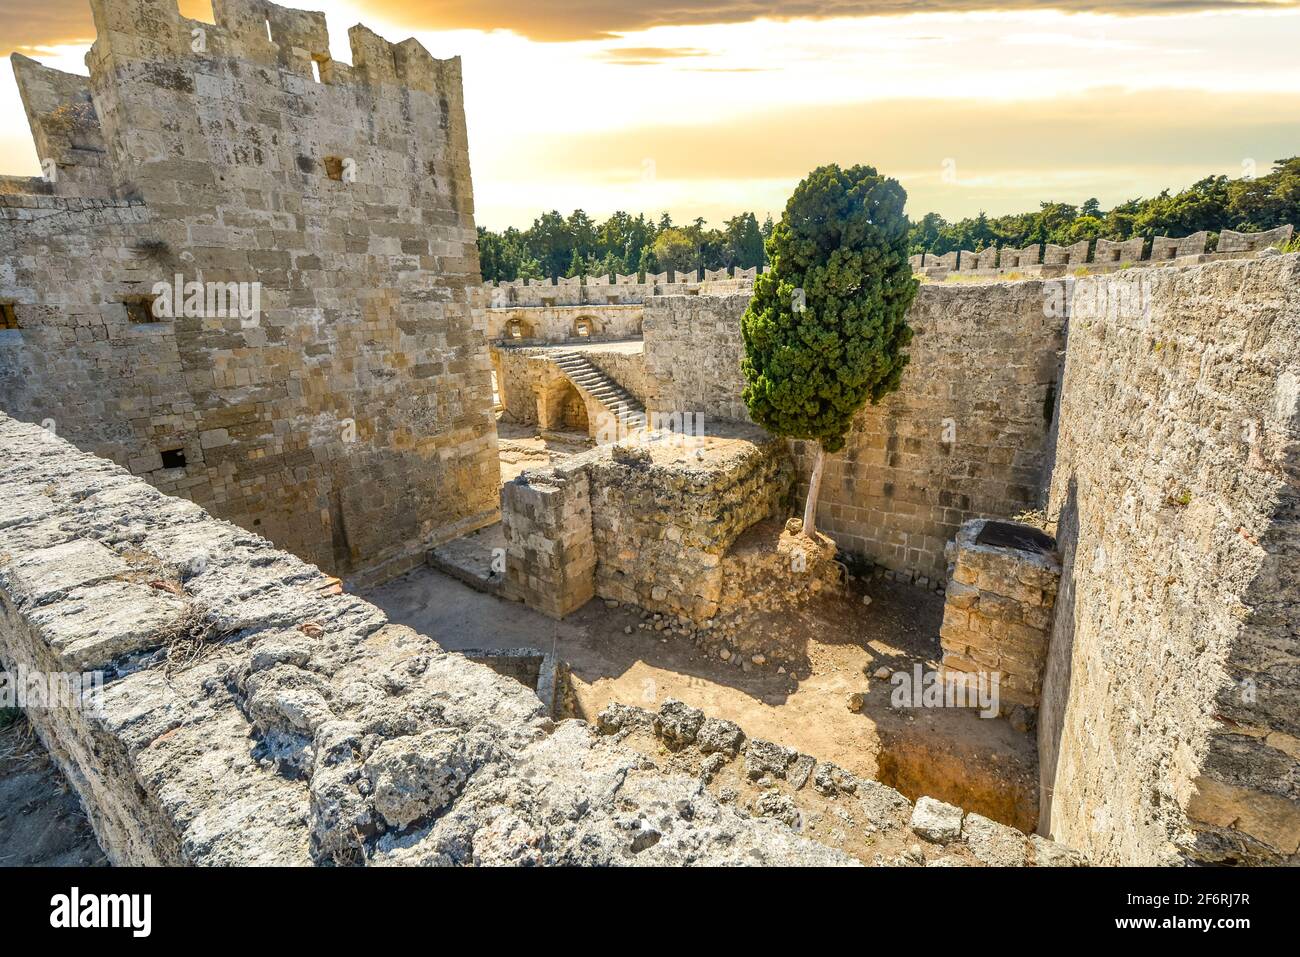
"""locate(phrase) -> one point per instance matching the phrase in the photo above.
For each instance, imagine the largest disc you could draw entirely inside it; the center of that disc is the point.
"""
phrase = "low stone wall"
(1170, 721)
(253, 714)
(647, 522)
(550, 551)
(663, 521)
(997, 616)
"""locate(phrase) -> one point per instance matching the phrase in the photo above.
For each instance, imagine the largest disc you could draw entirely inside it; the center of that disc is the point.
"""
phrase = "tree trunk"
(814, 489)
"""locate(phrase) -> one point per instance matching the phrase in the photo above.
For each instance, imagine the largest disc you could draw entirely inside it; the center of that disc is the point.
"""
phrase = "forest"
(557, 245)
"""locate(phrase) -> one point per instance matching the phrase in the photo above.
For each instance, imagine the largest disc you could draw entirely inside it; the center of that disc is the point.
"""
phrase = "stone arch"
(585, 327)
(517, 328)
(562, 407)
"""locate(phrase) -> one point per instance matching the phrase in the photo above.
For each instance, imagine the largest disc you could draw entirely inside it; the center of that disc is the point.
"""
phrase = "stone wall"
(647, 522)
(693, 351)
(252, 714)
(348, 417)
(663, 519)
(965, 436)
(1170, 724)
(561, 323)
(997, 615)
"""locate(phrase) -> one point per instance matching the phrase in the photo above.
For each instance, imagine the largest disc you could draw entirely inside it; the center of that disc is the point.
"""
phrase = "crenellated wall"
(1105, 255)
(346, 413)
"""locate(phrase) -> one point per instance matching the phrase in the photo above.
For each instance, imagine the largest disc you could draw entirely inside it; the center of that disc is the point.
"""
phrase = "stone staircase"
(589, 379)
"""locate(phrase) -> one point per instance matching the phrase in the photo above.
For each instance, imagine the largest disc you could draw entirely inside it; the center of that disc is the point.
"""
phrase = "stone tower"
(319, 375)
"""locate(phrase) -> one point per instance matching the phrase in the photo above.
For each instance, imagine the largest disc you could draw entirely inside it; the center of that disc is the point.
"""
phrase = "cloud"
(1006, 156)
(650, 56)
(560, 20)
(29, 25)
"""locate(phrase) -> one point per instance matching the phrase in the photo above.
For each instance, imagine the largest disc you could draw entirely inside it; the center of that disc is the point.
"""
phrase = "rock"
(882, 673)
(866, 599)
(416, 776)
(777, 805)
(724, 654)
(856, 701)
(758, 659)
(627, 629)
(1022, 719)
(831, 779)
(994, 844)
(798, 772)
(644, 838)
(717, 735)
(610, 603)
(936, 821)
(1047, 853)
(677, 723)
(617, 717)
(711, 765)
(765, 757)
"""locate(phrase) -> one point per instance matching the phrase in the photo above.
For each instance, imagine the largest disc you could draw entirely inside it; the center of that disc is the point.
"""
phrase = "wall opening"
(8, 316)
(140, 310)
(173, 458)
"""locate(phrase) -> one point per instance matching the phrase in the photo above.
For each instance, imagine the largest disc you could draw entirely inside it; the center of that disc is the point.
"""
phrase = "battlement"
(168, 91)
(1051, 260)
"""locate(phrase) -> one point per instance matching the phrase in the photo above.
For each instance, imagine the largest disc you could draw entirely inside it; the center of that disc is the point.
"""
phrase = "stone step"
(584, 374)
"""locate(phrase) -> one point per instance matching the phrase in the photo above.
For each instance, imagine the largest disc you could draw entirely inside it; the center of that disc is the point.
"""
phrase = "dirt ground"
(42, 823)
(984, 765)
(524, 447)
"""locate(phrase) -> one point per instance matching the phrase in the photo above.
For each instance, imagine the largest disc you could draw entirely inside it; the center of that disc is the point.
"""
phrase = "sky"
(707, 108)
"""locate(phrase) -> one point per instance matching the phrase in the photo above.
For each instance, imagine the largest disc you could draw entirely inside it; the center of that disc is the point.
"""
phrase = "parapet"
(1188, 250)
(1233, 242)
(148, 61)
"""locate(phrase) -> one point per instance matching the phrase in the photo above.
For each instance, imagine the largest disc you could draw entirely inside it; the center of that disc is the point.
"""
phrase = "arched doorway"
(563, 409)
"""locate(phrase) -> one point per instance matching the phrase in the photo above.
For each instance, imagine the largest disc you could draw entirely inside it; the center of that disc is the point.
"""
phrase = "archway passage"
(562, 408)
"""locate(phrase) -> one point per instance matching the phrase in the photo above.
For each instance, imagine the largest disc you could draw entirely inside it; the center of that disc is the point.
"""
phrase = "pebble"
(759, 659)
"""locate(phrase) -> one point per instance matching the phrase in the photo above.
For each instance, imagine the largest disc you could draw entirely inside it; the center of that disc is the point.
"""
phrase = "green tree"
(674, 249)
(827, 325)
(743, 242)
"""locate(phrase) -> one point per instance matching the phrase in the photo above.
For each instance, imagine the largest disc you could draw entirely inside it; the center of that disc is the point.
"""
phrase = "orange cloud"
(29, 25)
(559, 20)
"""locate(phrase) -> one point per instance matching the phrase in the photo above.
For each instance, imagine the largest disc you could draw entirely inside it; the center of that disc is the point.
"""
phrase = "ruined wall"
(647, 522)
(253, 715)
(349, 417)
(965, 436)
(1170, 724)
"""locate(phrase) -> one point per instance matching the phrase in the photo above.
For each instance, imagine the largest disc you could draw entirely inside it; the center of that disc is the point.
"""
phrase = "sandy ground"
(524, 447)
(983, 764)
(42, 823)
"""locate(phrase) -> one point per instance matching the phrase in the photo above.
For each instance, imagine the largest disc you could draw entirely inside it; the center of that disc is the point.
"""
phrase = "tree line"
(557, 245)
(1215, 203)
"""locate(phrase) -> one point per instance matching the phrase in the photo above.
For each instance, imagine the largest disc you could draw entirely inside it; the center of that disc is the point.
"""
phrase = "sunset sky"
(710, 107)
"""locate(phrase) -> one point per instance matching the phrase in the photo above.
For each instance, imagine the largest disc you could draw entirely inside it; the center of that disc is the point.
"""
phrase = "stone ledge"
(288, 723)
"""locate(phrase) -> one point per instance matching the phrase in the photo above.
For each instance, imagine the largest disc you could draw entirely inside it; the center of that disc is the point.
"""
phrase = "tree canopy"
(826, 328)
